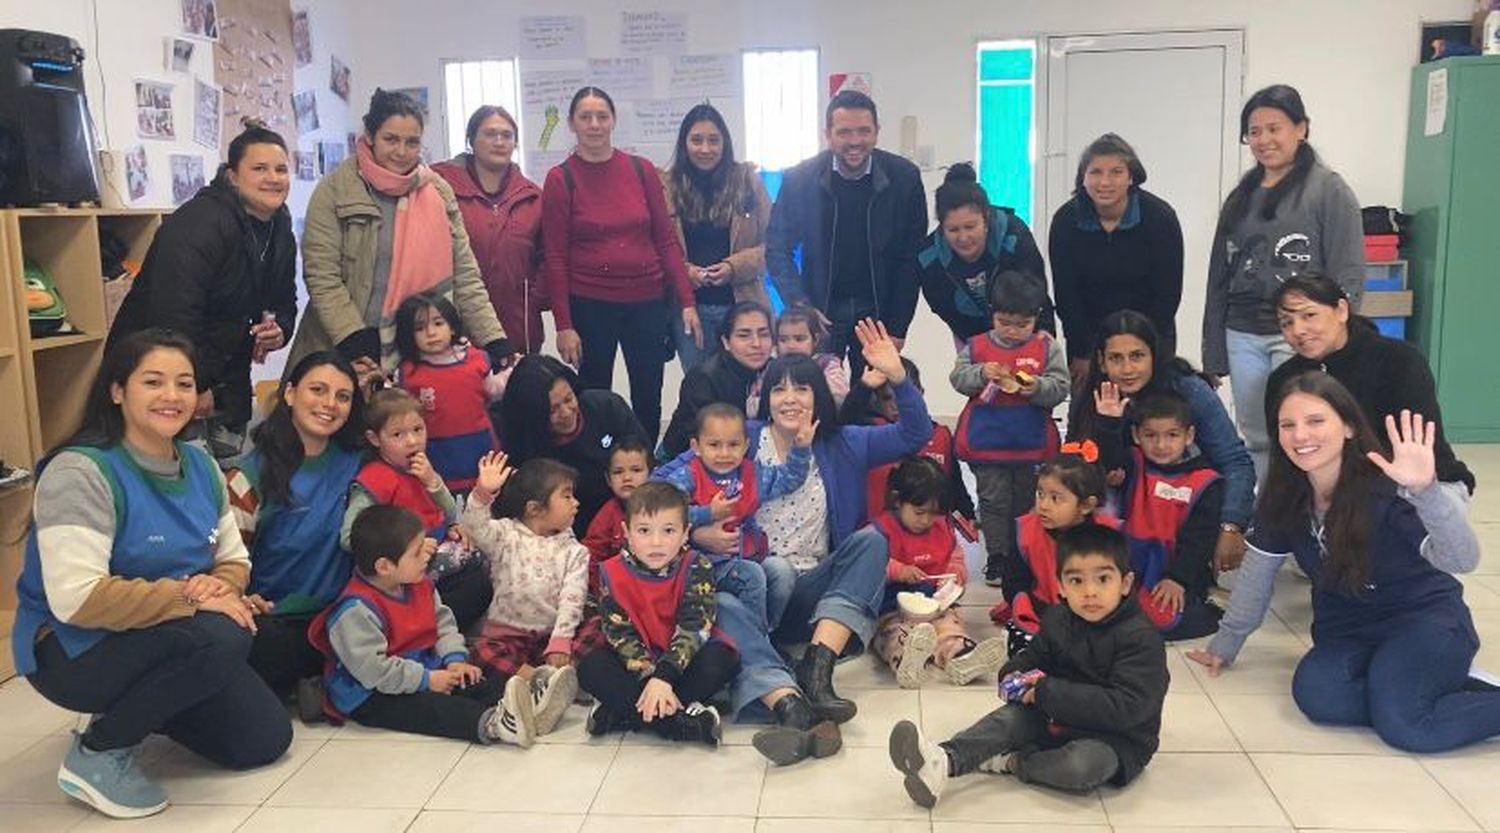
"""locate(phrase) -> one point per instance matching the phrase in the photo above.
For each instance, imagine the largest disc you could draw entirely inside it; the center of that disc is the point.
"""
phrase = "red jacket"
(504, 233)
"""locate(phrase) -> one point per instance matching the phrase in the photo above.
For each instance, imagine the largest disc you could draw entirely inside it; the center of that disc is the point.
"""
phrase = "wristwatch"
(1229, 527)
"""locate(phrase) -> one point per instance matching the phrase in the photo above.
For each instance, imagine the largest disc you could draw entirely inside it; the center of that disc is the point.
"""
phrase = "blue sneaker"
(110, 781)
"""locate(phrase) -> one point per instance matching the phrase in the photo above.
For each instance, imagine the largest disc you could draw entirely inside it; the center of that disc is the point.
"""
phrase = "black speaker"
(46, 146)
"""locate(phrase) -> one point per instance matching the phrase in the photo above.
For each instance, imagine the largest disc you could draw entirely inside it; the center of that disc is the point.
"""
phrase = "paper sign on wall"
(653, 33)
(544, 106)
(862, 82)
(552, 36)
(657, 120)
(1437, 102)
(704, 76)
(624, 78)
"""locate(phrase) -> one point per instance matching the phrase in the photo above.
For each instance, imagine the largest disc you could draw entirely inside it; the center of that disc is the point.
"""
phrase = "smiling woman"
(222, 271)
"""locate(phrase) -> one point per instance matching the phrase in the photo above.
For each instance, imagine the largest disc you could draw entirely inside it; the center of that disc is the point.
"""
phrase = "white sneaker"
(552, 691)
(924, 763)
(921, 641)
(982, 660)
(511, 720)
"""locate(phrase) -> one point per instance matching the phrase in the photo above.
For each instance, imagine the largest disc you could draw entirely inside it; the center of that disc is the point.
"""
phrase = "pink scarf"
(422, 252)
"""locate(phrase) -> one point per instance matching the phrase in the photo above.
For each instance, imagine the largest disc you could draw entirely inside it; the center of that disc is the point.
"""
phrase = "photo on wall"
(153, 110)
(301, 39)
(305, 105)
(330, 154)
(137, 176)
(339, 78)
(208, 101)
(200, 18)
(306, 163)
(187, 176)
(179, 54)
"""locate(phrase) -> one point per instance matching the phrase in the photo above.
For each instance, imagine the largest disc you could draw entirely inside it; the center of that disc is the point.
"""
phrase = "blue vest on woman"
(165, 527)
(296, 561)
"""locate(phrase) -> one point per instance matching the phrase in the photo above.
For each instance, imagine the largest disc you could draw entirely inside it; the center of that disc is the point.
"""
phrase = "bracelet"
(1229, 527)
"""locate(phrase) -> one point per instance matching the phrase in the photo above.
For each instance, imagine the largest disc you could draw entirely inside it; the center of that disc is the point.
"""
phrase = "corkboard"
(253, 62)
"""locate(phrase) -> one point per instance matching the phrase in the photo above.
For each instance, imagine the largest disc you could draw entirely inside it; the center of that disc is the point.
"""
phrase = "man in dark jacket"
(858, 214)
(212, 272)
(1092, 715)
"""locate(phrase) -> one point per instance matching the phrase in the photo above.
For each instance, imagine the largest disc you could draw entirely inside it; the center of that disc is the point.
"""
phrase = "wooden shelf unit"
(44, 381)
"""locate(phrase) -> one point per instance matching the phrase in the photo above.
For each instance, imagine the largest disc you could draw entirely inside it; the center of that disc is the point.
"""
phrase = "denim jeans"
(781, 579)
(710, 316)
(1251, 360)
(744, 579)
(762, 669)
(847, 587)
(1407, 687)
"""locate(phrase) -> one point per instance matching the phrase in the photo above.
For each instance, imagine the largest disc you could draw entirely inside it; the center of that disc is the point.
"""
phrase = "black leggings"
(467, 593)
(186, 678)
(457, 715)
(281, 654)
(602, 674)
(640, 331)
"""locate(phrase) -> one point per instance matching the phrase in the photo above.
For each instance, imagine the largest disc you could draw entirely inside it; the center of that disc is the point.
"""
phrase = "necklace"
(264, 247)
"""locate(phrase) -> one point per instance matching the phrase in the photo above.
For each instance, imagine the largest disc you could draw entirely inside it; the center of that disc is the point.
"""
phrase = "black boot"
(797, 734)
(815, 678)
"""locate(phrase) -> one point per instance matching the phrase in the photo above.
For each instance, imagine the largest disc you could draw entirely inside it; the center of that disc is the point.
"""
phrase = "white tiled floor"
(1236, 754)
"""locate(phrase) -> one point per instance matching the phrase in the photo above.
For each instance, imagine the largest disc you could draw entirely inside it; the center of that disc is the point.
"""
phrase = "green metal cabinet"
(1452, 191)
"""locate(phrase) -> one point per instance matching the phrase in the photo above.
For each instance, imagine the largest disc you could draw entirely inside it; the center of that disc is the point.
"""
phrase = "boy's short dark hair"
(381, 532)
(656, 496)
(917, 480)
(717, 410)
(1089, 538)
(1017, 293)
(1162, 405)
(628, 444)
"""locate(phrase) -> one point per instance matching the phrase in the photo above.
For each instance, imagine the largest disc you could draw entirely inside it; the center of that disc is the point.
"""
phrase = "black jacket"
(1385, 375)
(1095, 272)
(1105, 680)
(606, 420)
(201, 279)
(803, 217)
(719, 378)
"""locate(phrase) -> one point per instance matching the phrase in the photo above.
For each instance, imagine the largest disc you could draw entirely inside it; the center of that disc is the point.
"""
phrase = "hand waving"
(493, 472)
(880, 349)
(1108, 402)
(1411, 465)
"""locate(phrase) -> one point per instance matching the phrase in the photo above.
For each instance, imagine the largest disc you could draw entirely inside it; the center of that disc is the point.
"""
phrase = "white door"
(1175, 97)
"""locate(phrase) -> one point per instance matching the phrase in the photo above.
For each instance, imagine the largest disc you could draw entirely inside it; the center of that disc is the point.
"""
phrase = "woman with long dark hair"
(1392, 638)
(502, 212)
(1290, 214)
(547, 413)
(614, 265)
(721, 211)
(289, 494)
(1128, 353)
(131, 596)
(222, 271)
(1115, 245)
(382, 227)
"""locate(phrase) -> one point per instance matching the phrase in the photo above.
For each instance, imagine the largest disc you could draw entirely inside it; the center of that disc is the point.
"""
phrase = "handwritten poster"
(653, 33)
(544, 106)
(656, 121)
(704, 76)
(624, 78)
(552, 36)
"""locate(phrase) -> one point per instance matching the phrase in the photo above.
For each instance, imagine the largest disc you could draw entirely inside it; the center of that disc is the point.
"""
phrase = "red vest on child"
(651, 602)
(390, 487)
(1039, 550)
(455, 408)
(939, 449)
(410, 623)
(604, 539)
(929, 551)
(1158, 505)
(754, 546)
(1008, 429)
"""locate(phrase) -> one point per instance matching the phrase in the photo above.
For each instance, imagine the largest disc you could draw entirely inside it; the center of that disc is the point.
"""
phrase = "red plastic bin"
(1382, 248)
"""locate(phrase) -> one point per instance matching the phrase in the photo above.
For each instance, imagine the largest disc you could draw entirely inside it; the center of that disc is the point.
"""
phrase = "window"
(781, 106)
(1007, 136)
(469, 84)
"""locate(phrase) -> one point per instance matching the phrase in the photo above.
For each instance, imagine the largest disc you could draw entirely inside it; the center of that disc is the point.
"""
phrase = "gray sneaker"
(109, 781)
(552, 691)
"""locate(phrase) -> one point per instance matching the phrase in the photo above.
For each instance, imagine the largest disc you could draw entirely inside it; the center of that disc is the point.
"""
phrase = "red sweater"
(606, 241)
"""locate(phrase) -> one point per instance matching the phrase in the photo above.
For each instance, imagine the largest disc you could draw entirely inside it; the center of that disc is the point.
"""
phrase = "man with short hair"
(858, 214)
